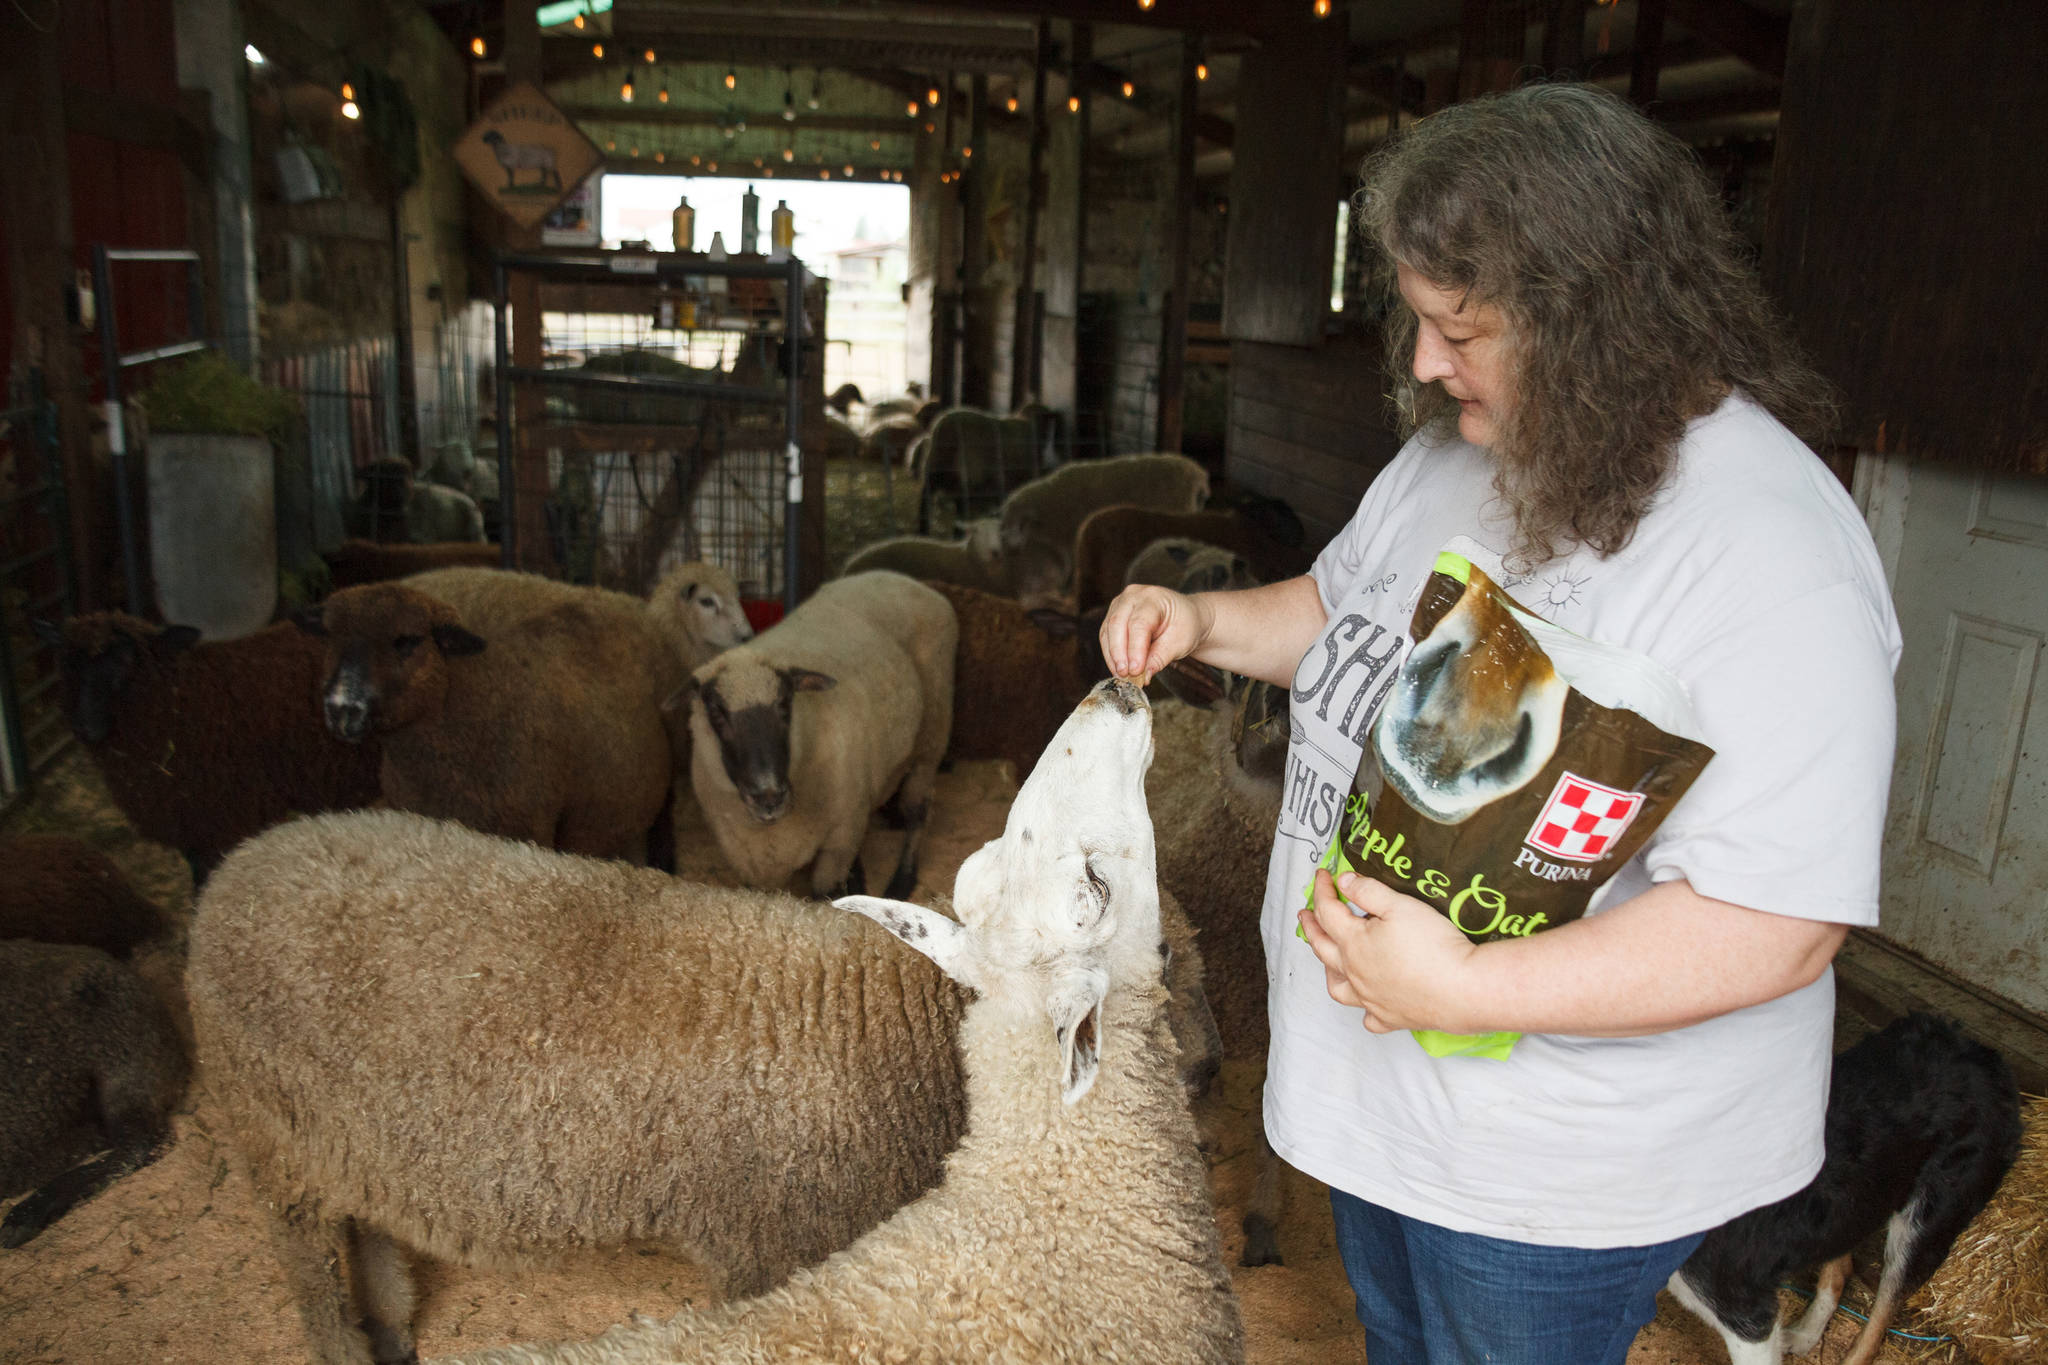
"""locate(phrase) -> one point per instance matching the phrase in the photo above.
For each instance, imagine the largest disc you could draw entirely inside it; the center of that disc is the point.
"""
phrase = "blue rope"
(1845, 1308)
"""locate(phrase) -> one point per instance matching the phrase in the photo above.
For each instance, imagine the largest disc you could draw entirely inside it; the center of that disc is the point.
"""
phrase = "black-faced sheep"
(548, 730)
(799, 735)
(58, 889)
(479, 1051)
(355, 562)
(203, 745)
(1018, 675)
(1074, 1224)
(975, 560)
(89, 1063)
(1040, 520)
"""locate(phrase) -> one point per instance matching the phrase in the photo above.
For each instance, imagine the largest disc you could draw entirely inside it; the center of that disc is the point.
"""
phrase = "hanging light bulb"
(740, 127)
(626, 90)
(1201, 71)
(711, 166)
(732, 78)
(911, 109)
(789, 153)
(597, 51)
(824, 175)
(649, 55)
(660, 157)
(757, 163)
(932, 95)
(812, 102)
(611, 144)
(1145, 4)
(770, 172)
(967, 151)
(1129, 90)
(874, 144)
(579, 21)
(696, 161)
(349, 109)
(849, 172)
(788, 107)
(348, 92)
(636, 153)
(1011, 104)
(663, 96)
(476, 47)
(1322, 9)
(931, 127)
(1073, 104)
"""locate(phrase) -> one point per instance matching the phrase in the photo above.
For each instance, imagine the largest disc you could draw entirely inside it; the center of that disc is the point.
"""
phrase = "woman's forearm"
(1262, 632)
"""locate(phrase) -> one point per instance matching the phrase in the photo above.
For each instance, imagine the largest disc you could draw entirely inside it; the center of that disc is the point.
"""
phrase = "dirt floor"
(173, 1265)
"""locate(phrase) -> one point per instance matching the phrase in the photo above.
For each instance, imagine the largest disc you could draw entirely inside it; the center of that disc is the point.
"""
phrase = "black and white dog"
(1922, 1125)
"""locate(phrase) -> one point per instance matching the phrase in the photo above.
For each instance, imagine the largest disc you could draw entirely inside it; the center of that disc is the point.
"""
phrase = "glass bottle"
(685, 224)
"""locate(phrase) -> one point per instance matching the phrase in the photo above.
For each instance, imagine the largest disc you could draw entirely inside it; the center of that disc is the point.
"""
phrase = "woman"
(1603, 408)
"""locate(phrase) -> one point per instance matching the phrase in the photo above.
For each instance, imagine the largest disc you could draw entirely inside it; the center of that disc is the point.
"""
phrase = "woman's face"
(1465, 349)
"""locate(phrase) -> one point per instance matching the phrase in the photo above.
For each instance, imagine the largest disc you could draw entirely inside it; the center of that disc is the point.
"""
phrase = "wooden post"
(1173, 315)
(523, 62)
(1024, 330)
(977, 358)
(1564, 37)
(1648, 54)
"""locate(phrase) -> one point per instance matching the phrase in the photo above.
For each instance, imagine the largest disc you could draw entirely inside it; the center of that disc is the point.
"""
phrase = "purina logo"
(1582, 819)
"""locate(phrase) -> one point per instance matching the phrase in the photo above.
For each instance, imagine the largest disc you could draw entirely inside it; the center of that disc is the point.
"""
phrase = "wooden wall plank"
(1284, 186)
(1909, 224)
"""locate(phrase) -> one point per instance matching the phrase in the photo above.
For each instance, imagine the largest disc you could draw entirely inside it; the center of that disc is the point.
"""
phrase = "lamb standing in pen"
(975, 560)
(1074, 1224)
(798, 736)
(429, 1041)
(1040, 519)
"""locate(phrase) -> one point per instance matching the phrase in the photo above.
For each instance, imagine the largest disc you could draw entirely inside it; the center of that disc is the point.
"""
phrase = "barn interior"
(303, 295)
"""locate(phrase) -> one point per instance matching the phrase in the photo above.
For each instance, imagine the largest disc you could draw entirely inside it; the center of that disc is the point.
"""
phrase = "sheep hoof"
(856, 883)
(902, 884)
(1261, 1241)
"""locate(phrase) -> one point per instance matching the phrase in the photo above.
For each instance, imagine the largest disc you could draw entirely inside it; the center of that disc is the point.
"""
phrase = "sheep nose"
(1122, 693)
(348, 718)
(768, 805)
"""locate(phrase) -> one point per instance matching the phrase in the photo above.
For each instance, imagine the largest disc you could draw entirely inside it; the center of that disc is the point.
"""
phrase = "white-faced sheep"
(482, 1052)
(89, 1063)
(63, 890)
(975, 560)
(548, 730)
(798, 736)
(1039, 520)
(1109, 539)
(1074, 1224)
(205, 744)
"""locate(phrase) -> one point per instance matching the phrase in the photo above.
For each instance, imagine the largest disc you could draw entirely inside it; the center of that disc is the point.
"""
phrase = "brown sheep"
(1019, 673)
(1108, 540)
(203, 745)
(355, 562)
(89, 1062)
(548, 731)
(480, 1051)
(63, 890)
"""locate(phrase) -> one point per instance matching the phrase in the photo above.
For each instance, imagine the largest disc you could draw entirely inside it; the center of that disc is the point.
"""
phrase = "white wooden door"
(1966, 852)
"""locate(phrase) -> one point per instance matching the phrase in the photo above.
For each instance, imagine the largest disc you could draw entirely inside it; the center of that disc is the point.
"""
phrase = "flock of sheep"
(437, 1032)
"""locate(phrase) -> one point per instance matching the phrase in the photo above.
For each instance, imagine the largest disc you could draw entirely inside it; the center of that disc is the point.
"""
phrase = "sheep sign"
(525, 155)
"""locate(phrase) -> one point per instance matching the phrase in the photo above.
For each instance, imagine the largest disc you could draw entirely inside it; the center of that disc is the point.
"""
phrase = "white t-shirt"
(1753, 579)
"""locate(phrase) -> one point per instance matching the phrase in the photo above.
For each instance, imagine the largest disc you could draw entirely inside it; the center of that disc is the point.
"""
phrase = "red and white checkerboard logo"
(1582, 819)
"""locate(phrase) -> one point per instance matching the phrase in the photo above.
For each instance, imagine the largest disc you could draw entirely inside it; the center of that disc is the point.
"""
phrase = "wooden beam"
(1258, 18)
(977, 352)
(1564, 36)
(1024, 338)
(525, 529)
(1102, 78)
(1646, 58)
(1173, 315)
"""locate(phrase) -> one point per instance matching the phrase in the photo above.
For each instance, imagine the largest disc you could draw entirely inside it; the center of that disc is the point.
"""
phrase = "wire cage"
(661, 424)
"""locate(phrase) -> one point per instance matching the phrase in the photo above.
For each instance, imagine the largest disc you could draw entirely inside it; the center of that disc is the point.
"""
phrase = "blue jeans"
(1430, 1296)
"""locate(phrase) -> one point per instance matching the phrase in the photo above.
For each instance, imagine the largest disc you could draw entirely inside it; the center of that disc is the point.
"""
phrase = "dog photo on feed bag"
(1513, 770)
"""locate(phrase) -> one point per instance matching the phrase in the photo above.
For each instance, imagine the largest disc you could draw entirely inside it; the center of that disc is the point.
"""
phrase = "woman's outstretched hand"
(1147, 628)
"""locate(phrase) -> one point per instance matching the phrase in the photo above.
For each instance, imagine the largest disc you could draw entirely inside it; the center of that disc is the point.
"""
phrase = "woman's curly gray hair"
(1630, 308)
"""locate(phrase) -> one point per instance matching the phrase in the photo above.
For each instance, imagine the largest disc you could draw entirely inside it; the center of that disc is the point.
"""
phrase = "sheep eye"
(404, 645)
(707, 602)
(1097, 885)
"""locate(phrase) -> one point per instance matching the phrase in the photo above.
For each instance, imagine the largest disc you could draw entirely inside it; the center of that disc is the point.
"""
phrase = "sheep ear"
(679, 700)
(455, 642)
(1060, 625)
(945, 941)
(804, 680)
(1076, 1009)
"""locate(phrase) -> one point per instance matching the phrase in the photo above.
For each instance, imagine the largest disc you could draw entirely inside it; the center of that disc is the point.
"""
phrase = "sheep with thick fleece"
(59, 889)
(1108, 540)
(90, 1062)
(975, 560)
(482, 1052)
(1040, 519)
(547, 729)
(203, 744)
(1074, 1223)
(355, 562)
(799, 735)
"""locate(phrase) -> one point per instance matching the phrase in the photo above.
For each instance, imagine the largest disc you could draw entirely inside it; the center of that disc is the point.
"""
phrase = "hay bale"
(1991, 1294)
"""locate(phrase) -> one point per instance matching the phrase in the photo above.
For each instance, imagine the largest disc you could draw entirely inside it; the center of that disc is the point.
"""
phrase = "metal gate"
(36, 584)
